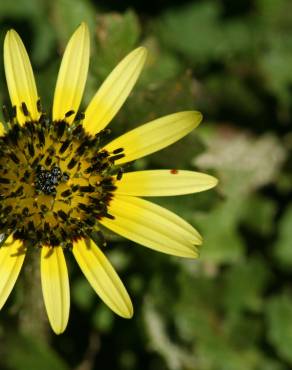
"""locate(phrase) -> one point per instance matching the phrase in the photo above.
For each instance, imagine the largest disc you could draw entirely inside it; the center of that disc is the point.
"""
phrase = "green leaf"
(259, 214)
(74, 12)
(26, 353)
(20, 8)
(116, 35)
(279, 321)
(275, 65)
(239, 294)
(192, 30)
(82, 294)
(201, 34)
(160, 66)
(103, 319)
(231, 94)
(283, 246)
(44, 41)
(222, 240)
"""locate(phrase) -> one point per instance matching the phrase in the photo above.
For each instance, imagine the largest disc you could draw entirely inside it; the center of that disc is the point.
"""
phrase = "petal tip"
(143, 50)
(194, 254)
(125, 309)
(7, 39)
(9, 32)
(199, 242)
(197, 116)
(58, 329)
(81, 33)
(211, 182)
(141, 54)
(83, 27)
(129, 312)
(11, 35)
(214, 182)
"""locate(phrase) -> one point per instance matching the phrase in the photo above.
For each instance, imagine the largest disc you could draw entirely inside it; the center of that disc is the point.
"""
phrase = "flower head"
(60, 182)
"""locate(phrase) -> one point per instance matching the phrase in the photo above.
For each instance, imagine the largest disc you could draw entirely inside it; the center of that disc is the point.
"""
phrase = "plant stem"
(32, 319)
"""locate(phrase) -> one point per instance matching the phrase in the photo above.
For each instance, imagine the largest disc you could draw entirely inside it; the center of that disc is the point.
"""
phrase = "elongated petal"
(152, 226)
(2, 129)
(72, 75)
(11, 260)
(163, 183)
(55, 286)
(19, 76)
(114, 91)
(155, 135)
(102, 277)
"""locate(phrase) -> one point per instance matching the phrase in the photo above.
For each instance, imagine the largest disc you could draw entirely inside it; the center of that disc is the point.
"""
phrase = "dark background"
(232, 308)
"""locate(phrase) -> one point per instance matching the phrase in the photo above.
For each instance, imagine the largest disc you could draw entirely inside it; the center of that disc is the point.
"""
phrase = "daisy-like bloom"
(60, 181)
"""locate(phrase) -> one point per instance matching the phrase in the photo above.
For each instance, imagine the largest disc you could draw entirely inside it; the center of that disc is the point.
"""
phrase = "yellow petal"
(155, 135)
(55, 286)
(114, 91)
(19, 76)
(11, 260)
(152, 226)
(102, 277)
(72, 75)
(2, 129)
(163, 182)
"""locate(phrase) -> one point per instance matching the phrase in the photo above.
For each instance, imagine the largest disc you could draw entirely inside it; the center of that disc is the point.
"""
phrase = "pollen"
(56, 181)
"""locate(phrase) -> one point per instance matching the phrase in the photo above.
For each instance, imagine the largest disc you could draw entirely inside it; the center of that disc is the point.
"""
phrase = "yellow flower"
(59, 182)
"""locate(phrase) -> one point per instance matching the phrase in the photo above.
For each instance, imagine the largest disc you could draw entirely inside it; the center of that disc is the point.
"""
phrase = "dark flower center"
(56, 181)
(47, 180)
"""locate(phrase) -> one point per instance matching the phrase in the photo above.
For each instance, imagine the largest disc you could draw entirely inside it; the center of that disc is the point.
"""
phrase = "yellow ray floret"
(154, 183)
(72, 75)
(19, 76)
(55, 287)
(11, 260)
(102, 277)
(114, 91)
(155, 135)
(152, 226)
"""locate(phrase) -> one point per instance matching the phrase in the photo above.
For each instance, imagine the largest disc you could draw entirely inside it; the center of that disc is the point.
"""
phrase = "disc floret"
(56, 181)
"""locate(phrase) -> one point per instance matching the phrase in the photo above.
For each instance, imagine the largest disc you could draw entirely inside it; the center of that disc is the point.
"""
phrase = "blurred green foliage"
(232, 309)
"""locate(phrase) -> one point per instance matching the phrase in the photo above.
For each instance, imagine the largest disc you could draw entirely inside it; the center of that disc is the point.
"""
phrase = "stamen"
(24, 109)
(14, 157)
(66, 193)
(87, 189)
(69, 113)
(62, 215)
(41, 137)
(120, 174)
(80, 116)
(119, 150)
(78, 130)
(4, 180)
(64, 146)
(107, 215)
(39, 106)
(117, 157)
(31, 149)
(61, 129)
(72, 163)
